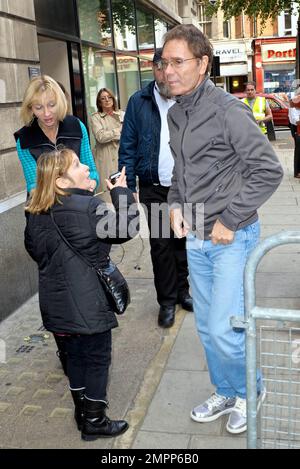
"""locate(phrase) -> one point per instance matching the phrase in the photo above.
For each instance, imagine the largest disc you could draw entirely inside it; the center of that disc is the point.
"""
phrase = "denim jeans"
(88, 360)
(216, 277)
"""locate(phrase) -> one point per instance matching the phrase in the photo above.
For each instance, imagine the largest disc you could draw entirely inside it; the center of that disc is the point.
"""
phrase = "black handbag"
(111, 279)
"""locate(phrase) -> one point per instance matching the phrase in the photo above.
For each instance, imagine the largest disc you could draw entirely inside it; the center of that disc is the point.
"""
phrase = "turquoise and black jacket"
(32, 142)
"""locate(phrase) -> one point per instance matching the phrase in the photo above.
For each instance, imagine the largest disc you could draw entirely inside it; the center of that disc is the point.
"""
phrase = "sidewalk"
(157, 375)
(185, 381)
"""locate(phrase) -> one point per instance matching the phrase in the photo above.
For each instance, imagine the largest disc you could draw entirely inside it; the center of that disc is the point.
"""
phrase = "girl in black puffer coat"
(72, 301)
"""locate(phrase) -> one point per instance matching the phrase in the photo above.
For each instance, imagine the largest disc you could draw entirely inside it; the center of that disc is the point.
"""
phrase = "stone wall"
(18, 51)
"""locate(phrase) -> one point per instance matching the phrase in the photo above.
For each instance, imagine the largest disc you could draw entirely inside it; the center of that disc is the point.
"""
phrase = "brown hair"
(98, 100)
(252, 83)
(50, 166)
(197, 42)
(36, 87)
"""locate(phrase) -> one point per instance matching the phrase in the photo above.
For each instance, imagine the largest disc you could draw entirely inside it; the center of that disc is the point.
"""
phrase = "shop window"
(128, 77)
(95, 21)
(161, 29)
(123, 15)
(279, 78)
(99, 72)
(145, 27)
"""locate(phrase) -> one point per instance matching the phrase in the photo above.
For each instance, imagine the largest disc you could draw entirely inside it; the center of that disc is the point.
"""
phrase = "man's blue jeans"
(216, 277)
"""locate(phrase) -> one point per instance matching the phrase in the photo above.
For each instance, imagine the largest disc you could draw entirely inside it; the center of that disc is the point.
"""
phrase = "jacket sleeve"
(264, 172)
(86, 156)
(173, 195)
(129, 145)
(101, 134)
(29, 166)
(119, 222)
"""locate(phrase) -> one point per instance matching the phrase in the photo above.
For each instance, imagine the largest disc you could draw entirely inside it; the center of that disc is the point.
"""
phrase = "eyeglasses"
(176, 63)
(106, 98)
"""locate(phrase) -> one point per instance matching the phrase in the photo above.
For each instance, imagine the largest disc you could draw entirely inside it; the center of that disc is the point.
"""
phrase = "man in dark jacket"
(144, 150)
(225, 169)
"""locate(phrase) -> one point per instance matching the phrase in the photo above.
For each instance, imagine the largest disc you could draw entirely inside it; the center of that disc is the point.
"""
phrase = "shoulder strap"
(69, 244)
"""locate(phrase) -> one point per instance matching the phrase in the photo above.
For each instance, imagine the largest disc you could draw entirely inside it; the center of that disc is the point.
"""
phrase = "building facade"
(274, 64)
(85, 45)
(250, 51)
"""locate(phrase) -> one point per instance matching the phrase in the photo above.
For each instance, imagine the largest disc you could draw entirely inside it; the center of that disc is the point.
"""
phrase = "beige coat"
(107, 132)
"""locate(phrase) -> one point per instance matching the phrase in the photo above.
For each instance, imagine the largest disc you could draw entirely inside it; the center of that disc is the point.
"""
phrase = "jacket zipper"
(183, 161)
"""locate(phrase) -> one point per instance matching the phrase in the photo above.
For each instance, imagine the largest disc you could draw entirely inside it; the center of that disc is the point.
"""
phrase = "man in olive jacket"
(225, 169)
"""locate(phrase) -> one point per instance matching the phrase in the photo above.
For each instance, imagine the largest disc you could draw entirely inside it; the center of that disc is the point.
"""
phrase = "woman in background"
(106, 126)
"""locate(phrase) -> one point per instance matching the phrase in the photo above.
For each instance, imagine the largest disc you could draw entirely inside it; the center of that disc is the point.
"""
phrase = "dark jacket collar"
(33, 135)
(79, 191)
(148, 91)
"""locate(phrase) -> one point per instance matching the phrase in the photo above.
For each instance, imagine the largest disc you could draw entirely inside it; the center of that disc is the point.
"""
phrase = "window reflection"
(99, 72)
(95, 22)
(128, 76)
(160, 30)
(123, 14)
(145, 30)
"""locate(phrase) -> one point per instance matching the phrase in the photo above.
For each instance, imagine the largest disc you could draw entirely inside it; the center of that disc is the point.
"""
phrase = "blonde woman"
(72, 301)
(47, 125)
(106, 125)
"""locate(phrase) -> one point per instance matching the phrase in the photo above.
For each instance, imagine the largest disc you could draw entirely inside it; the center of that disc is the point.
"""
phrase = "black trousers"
(297, 149)
(168, 253)
(88, 361)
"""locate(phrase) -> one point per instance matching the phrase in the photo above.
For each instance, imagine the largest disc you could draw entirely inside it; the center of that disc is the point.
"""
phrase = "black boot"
(97, 425)
(166, 316)
(61, 352)
(78, 398)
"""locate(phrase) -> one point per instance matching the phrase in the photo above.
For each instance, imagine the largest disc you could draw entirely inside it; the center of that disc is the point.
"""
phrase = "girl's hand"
(121, 181)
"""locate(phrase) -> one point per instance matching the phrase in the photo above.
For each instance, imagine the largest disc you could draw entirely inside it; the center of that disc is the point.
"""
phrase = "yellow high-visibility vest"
(259, 110)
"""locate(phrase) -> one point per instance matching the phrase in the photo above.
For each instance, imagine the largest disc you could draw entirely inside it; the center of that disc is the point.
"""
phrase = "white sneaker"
(213, 408)
(237, 422)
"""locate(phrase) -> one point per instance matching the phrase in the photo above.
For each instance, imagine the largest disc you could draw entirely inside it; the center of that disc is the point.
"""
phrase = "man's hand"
(178, 224)
(220, 234)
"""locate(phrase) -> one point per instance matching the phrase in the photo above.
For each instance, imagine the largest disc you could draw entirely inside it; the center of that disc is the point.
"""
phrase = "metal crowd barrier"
(275, 350)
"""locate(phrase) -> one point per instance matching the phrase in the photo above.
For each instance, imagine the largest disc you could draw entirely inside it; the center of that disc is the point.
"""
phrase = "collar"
(74, 190)
(33, 135)
(192, 99)
(104, 114)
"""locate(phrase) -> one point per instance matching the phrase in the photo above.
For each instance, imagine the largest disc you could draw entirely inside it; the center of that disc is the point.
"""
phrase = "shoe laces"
(214, 400)
(241, 406)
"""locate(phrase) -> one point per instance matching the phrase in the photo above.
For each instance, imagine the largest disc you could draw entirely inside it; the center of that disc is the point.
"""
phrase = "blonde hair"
(50, 166)
(34, 90)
